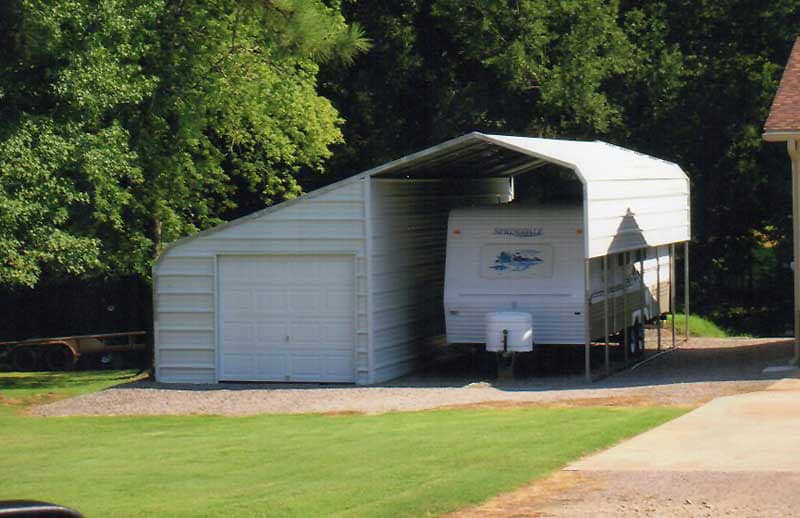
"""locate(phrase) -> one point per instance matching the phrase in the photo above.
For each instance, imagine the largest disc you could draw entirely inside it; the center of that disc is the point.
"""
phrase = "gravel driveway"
(695, 373)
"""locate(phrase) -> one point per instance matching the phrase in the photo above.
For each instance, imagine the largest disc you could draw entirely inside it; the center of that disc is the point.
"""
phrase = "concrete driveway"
(758, 431)
(735, 456)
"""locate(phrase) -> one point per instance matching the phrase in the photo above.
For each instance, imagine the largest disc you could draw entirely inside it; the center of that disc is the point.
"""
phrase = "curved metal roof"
(481, 155)
(631, 200)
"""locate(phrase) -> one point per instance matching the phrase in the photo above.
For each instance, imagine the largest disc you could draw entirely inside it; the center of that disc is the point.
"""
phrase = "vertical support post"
(658, 294)
(686, 285)
(605, 314)
(587, 322)
(614, 311)
(672, 289)
(793, 147)
(625, 309)
(642, 287)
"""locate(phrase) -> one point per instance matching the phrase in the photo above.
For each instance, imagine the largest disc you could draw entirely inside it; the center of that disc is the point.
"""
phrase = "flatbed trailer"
(63, 352)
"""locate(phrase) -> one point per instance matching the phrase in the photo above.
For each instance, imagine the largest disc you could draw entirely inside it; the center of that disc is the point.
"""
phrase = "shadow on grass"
(61, 381)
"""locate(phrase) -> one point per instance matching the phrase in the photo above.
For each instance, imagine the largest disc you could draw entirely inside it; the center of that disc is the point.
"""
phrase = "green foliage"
(126, 124)
(439, 68)
(400, 464)
(555, 54)
(698, 326)
(687, 81)
(734, 52)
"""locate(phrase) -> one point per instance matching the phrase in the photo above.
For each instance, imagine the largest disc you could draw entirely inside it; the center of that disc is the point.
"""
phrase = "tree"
(733, 53)
(440, 68)
(689, 81)
(129, 123)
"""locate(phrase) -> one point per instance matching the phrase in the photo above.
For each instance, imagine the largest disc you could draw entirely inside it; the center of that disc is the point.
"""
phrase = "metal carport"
(380, 217)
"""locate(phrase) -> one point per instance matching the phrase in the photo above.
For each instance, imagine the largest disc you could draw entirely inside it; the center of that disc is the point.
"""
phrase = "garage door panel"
(305, 301)
(272, 334)
(337, 332)
(308, 367)
(239, 299)
(287, 318)
(241, 364)
(338, 367)
(272, 301)
(339, 302)
(331, 271)
(271, 367)
(273, 273)
(238, 332)
(305, 333)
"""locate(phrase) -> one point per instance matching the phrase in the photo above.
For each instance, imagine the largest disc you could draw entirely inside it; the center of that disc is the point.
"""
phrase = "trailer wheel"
(637, 341)
(59, 358)
(24, 359)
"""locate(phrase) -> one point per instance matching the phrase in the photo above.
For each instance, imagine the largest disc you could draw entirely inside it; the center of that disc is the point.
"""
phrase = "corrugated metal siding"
(632, 200)
(329, 221)
(409, 228)
(635, 214)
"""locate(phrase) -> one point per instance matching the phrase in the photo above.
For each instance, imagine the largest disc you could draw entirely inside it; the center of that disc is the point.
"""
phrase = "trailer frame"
(63, 352)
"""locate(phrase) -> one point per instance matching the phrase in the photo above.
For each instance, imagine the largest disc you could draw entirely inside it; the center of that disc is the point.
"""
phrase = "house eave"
(781, 136)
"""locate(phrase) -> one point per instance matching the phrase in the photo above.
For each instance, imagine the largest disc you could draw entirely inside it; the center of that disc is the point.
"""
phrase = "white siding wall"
(625, 215)
(327, 221)
(408, 243)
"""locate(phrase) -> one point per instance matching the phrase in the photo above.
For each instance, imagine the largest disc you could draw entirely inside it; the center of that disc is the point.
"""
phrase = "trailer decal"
(517, 261)
(505, 262)
(518, 232)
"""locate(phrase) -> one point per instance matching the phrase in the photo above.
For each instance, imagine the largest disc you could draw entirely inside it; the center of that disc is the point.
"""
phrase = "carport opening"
(550, 184)
(412, 205)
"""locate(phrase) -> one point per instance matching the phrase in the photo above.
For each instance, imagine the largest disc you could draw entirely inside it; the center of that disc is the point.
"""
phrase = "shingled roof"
(785, 113)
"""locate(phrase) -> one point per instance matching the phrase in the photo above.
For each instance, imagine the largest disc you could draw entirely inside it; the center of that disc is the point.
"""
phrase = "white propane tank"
(519, 328)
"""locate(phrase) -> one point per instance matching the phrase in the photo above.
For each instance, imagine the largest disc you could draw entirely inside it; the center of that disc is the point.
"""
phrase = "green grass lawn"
(22, 389)
(698, 326)
(399, 464)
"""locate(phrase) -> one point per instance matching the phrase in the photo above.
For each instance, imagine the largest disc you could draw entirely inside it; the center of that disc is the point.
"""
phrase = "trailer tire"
(635, 344)
(637, 339)
(59, 358)
(24, 359)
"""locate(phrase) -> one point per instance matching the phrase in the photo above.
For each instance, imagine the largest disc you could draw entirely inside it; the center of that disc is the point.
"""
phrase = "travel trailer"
(514, 280)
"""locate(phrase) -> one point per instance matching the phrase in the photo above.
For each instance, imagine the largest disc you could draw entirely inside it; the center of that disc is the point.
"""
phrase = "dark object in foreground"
(34, 508)
(63, 353)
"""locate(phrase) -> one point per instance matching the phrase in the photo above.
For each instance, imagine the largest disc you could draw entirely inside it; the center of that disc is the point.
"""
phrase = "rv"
(514, 279)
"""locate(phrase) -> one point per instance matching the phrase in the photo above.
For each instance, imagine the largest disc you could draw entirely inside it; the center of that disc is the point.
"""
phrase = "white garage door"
(286, 318)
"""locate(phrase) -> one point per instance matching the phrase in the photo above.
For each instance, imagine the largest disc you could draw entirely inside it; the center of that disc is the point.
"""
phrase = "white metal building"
(345, 283)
